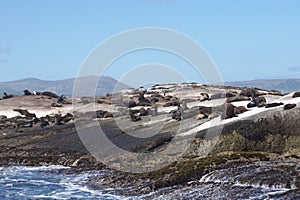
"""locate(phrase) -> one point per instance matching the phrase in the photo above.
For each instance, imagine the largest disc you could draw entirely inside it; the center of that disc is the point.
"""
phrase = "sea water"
(58, 182)
(47, 182)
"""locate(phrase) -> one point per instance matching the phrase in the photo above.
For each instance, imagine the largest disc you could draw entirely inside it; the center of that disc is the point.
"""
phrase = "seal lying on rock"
(27, 93)
(217, 96)
(7, 96)
(229, 113)
(289, 106)
(173, 102)
(133, 117)
(240, 109)
(25, 113)
(103, 114)
(257, 101)
(131, 103)
(177, 114)
(270, 105)
(296, 94)
(142, 100)
(56, 105)
(233, 111)
(249, 92)
(204, 97)
(238, 98)
(144, 112)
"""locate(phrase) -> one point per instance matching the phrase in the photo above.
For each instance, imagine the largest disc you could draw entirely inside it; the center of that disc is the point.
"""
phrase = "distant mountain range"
(65, 86)
(283, 85)
(107, 84)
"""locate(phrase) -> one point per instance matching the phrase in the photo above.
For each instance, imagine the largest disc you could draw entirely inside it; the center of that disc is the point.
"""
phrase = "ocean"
(58, 182)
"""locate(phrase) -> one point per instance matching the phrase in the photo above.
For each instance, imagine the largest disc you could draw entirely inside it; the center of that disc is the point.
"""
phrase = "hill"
(283, 85)
(65, 86)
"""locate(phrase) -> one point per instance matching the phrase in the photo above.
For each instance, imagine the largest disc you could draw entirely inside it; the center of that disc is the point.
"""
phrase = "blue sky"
(246, 39)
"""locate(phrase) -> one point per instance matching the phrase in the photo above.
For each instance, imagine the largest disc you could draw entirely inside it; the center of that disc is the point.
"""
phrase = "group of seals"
(103, 114)
(27, 120)
(258, 101)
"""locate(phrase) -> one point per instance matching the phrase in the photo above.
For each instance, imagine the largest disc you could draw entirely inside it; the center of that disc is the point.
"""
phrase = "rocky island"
(207, 133)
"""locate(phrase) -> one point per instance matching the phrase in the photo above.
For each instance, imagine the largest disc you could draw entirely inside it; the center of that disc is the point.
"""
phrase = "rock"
(183, 105)
(154, 112)
(289, 106)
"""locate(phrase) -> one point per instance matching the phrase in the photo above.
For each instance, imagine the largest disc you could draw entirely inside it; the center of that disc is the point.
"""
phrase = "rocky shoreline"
(271, 135)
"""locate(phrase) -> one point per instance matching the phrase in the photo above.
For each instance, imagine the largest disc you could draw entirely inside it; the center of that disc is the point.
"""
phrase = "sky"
(245, 39)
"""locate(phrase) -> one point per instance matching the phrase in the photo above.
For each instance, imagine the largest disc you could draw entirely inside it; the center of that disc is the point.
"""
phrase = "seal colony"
(173, 102)
(38, 128)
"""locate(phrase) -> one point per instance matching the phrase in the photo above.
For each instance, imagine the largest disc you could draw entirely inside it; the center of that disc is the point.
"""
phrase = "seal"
(133, 117)
(204, 97)
(270, 105)
(257, 101)
(289, 106)
(296, 94)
